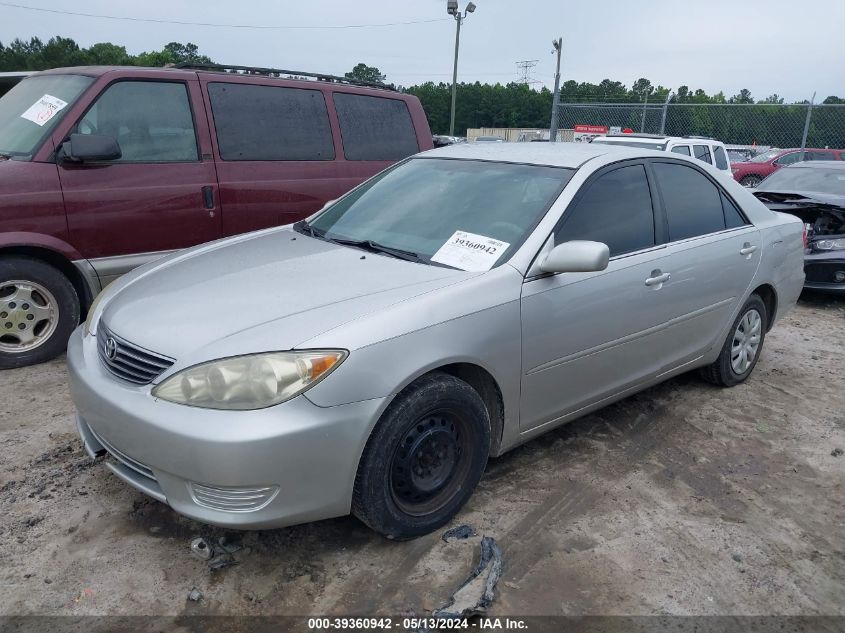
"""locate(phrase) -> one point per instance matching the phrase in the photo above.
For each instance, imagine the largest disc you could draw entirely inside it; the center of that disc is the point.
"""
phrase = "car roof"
(571, 155)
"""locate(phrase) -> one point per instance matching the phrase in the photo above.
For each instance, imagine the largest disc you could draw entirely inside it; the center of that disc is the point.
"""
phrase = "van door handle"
(657, 278)
(747, 249)
(208, 197)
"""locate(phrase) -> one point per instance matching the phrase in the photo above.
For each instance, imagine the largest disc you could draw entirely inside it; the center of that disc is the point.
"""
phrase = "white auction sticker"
(469, 251)
(44, 109)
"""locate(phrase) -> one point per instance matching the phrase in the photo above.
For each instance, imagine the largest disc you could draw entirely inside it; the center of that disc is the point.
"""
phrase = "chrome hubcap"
(29, 315)
(746, 341)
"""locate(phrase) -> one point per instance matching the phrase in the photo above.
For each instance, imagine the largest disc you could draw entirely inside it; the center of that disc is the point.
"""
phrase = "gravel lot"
(685, 499)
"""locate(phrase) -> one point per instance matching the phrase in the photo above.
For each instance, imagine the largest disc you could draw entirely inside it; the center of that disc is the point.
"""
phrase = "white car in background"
(700, 147)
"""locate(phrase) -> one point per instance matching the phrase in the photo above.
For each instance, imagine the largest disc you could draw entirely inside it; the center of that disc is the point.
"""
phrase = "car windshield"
(30, 111)
(427, 206)
(766, 156)
(806, 179)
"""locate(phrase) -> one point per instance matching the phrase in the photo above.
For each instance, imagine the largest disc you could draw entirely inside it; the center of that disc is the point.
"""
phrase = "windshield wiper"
(378, 248)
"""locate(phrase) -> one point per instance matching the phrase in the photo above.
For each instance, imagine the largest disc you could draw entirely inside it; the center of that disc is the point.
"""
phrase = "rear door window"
(788, 159)
(693, 203)
(721, 158)
(151, 121)
(682, 149)
(702, 152)
(270, 122)
(615, 209)
(375, 128)
(733, 218)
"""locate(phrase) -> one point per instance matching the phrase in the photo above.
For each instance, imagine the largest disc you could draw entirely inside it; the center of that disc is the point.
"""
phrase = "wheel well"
(480, 379)
(770, 299)
(62, 264)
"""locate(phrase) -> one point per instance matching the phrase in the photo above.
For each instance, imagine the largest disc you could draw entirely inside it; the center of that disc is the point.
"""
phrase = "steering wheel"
(507, 228)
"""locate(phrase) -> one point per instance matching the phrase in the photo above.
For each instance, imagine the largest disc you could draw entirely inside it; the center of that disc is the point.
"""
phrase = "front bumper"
(822, 270)
(292, 463)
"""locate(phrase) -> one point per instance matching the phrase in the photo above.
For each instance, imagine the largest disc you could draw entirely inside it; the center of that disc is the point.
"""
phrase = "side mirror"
(577, 256)
(90, 147)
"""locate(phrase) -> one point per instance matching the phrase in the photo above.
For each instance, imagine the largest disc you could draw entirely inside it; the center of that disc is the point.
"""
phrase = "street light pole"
(558, 46)
(452, 9)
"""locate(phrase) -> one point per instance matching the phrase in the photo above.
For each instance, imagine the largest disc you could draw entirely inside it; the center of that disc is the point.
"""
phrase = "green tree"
(367, 74)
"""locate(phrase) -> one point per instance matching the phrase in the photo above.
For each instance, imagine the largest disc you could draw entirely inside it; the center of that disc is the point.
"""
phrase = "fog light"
(839, 276)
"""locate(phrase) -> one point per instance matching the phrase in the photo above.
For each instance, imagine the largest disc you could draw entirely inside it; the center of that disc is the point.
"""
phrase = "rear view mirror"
(577, 256)
(90, 147)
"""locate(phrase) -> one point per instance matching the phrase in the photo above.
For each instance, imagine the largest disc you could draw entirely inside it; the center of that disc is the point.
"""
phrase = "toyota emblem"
(111, 348)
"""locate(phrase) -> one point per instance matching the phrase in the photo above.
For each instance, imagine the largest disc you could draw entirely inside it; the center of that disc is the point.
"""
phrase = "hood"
(268, 292)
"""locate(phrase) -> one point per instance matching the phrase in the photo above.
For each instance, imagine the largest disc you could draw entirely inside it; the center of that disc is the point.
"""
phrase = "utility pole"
(452, 9)
(807, 126)
(558, 47)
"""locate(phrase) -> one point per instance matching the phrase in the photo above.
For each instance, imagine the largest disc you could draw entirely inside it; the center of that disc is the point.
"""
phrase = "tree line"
(502, 105)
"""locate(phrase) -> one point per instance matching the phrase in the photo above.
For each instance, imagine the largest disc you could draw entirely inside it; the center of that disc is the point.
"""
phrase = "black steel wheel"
(423, 459)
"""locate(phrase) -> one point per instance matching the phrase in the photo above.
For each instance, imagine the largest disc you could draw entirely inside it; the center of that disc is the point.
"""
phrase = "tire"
(751, 181)
(39, 308)
(403, 493)
(730, 369)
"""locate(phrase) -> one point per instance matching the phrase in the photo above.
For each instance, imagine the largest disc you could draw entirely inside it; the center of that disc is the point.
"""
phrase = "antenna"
(525, 67)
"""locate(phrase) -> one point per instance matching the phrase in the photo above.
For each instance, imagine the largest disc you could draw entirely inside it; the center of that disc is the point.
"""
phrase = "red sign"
(591, 129)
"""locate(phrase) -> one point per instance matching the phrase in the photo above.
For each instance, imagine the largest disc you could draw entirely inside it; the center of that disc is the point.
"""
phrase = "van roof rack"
(297, 74)
(637, 135)
(703, 138)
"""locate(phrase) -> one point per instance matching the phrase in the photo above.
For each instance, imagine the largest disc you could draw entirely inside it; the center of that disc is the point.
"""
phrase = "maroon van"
(103, 169)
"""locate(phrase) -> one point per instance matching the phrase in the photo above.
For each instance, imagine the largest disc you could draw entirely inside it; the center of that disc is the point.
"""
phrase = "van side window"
(721, 159)
(693, 203)
(681, 149)
(615, 209)
(375, 128)
(270, 122)
(702, 152)
(151, 121)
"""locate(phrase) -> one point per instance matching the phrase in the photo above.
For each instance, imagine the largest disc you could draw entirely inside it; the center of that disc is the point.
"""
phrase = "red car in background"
(751, 173)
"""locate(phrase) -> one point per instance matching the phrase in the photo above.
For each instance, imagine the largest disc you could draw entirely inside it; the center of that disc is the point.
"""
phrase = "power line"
(217, 25)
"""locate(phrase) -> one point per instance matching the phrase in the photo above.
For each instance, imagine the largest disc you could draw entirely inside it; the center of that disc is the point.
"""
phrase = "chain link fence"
(762, 124)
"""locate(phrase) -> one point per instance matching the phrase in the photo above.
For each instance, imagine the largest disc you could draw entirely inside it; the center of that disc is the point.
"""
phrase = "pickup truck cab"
(103, 169)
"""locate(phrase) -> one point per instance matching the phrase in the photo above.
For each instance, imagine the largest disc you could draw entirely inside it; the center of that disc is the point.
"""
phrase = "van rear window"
(375, 128)
(270, 123)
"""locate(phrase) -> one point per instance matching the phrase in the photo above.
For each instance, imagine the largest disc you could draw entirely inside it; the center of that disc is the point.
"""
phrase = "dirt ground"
(685, 499)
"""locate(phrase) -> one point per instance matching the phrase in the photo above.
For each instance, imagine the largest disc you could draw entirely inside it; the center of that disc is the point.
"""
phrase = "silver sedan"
(372, 358)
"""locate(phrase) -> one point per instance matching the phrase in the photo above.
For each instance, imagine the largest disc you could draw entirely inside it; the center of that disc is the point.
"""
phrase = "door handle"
(747, 249)
(208, 197)
(657, 278)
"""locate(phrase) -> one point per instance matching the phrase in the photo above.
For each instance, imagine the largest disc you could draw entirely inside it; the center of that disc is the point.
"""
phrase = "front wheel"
(423, 459)
(751, 181)
(742, 348)
(39, 308)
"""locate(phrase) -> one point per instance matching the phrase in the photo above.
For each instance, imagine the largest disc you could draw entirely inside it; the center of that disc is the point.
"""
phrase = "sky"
(768, 46)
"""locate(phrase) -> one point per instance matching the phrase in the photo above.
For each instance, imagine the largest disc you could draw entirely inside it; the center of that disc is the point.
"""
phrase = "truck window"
(270, 122)
(702, 152)
(681, 149)
(375, 128)
(721, 159)
(152, 121)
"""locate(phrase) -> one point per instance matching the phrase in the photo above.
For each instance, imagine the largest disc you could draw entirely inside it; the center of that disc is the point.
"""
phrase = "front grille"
(233, 499)
(824, 272)
(123, 458)
(127, 361)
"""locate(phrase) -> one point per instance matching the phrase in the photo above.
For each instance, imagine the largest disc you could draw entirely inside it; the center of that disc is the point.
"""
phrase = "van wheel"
(742, 348)
(39, 308)
(424, 458)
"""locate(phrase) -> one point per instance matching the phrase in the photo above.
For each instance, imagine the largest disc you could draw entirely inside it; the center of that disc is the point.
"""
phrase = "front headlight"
(829, 245)
(249, 382)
